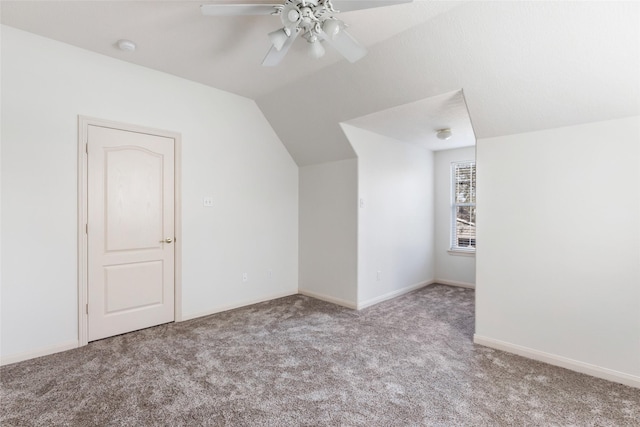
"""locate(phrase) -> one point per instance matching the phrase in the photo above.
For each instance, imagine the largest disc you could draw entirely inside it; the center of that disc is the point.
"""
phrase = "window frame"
(453, 235)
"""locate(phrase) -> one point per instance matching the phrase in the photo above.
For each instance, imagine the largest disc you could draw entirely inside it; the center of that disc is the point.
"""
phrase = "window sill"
(462, 252)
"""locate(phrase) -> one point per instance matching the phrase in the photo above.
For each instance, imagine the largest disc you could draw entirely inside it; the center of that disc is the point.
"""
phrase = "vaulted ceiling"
(224, 52)
(523, 66)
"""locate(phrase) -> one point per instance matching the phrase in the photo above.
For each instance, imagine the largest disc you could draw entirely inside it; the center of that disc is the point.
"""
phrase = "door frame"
(83, 125)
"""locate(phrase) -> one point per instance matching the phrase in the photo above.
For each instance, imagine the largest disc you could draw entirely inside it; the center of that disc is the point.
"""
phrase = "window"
(463, 206)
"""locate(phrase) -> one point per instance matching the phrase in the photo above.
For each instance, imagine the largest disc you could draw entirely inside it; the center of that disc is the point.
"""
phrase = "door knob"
(167, 240)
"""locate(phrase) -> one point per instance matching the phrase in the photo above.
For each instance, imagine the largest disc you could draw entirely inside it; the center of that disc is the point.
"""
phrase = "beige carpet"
(297, 361)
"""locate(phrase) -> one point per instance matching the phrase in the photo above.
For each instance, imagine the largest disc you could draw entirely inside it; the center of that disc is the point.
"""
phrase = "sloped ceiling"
(224, 52)
(523, 66)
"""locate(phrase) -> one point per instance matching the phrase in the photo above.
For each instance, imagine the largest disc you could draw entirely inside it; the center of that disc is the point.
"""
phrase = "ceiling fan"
(312, 20)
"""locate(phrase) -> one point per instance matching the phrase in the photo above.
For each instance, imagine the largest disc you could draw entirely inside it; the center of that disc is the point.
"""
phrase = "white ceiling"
(523, 66)
(224, 52)
(417, 122)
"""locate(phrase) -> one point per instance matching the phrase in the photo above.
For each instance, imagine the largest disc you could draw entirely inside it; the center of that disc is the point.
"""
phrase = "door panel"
(130, 214)
(134, 199)
(132, 286)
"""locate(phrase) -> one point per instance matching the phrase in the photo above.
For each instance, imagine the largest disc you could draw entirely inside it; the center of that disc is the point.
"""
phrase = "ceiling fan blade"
(274, 56)
(349, 5)
(344, 43)
(238, 9)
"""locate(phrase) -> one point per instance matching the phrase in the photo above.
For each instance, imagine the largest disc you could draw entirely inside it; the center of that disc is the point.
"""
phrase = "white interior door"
(130, 231)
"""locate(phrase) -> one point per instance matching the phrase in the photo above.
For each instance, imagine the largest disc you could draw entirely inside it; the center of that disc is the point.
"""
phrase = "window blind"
(463, 212)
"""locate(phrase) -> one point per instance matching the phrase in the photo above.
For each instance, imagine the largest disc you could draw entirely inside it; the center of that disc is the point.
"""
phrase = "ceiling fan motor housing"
(312, 20)
(306, 15)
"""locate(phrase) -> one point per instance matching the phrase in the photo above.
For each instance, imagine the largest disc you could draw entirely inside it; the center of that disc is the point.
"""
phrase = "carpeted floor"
(298, 361)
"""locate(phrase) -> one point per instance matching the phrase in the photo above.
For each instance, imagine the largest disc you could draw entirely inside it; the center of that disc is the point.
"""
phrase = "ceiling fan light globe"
(316, 50)
(278, 38)
(331, 27)
(293, 16)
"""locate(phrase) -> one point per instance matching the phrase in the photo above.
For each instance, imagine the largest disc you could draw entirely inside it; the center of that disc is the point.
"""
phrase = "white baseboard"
(393, 294)
(455, 283)
(228, 307)
(563, 362)
(38, 353)
(328, 298)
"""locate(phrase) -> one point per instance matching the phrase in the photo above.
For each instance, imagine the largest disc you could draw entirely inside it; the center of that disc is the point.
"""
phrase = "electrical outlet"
(245, 277)
(207, 202)
(378, 275)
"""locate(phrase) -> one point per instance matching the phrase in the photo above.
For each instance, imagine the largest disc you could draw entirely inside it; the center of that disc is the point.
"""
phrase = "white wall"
(396, 220)
(229, 152)
(451, 268)
(558, 260)
(328, 231)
